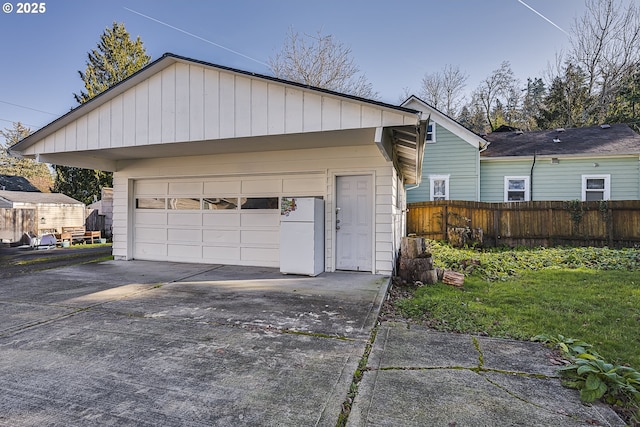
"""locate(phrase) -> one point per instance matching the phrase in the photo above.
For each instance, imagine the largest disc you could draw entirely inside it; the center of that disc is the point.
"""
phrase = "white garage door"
(214, 220)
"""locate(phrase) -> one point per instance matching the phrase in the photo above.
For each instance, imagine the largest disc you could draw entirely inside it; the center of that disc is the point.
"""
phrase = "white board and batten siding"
(243, 237)
(192, 102)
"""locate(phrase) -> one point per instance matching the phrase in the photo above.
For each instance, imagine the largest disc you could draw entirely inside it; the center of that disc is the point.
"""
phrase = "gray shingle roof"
(594, 140)
(16, 183)
(32, 197)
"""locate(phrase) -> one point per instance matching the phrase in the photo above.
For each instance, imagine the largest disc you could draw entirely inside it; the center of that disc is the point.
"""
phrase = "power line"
(197, 37)
(27, 108)
(14, 121)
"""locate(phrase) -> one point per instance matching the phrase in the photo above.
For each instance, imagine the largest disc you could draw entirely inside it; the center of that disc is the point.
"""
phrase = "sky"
(394, 43)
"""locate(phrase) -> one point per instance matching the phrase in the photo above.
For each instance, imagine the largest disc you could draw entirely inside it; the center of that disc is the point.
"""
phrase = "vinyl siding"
(562, 181)
(326, 163)
(449, 155)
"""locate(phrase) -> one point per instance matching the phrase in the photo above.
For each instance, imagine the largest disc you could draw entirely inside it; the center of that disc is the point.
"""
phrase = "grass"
(523, 293)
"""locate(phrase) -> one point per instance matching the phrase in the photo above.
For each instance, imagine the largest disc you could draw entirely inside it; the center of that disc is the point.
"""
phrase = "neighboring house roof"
(602, 140)
(36, 198)
(16, 183)
(444, 120)
(61, 142)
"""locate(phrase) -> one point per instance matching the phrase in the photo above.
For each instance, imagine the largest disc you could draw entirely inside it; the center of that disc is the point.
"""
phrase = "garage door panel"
(221, 253)
(150, 218)
(184, 252)
(190, 219)
(261, 237)
(147, 234)
(184, 235)
(143, 188)
(180, 188)
(221, 236)
(260, 254)
(244, 230)
(260, 219)
(150, 250)
(221, 219)
(262, 186)
(215, 188)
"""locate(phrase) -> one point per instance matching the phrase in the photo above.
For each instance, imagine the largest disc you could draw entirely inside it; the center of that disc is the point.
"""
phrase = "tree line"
(596, 81)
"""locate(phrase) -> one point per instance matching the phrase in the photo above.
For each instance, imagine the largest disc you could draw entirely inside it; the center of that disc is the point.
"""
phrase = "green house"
(590, 163)
(451, 165)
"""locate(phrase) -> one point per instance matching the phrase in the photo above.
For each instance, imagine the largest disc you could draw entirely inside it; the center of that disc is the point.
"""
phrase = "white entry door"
(354, 222)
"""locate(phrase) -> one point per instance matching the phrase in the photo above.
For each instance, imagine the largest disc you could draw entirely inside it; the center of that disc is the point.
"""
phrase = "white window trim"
(527, 192)
(432, 179)
(433, 132)
(607, 185)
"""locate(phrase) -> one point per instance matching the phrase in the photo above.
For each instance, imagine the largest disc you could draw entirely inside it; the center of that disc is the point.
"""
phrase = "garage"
(202, 154)
(214, 220)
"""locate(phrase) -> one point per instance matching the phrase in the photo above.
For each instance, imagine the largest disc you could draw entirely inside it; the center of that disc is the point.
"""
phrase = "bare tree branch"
(320, 61)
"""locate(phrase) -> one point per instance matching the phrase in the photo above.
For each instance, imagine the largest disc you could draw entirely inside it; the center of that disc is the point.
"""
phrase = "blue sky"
(393, 42)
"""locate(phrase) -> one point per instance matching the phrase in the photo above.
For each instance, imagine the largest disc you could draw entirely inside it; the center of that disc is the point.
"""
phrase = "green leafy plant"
(576, 209)
(594, 377)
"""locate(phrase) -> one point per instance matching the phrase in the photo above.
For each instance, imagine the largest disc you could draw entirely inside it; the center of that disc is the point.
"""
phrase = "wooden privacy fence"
(15, 222)
(552, 223)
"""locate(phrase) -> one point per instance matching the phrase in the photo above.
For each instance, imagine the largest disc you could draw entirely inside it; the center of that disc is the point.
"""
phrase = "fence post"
(496, 226)
(609, 225)
(445, 220)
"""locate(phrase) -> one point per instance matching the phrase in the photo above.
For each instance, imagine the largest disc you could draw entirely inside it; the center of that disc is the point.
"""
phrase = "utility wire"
(197, 37)
(27, 108)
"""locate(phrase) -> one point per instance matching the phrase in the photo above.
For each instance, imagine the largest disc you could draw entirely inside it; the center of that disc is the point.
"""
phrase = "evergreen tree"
(37, 173)
(626, 106)
(115, 58)
(568, 101)
(533, 103)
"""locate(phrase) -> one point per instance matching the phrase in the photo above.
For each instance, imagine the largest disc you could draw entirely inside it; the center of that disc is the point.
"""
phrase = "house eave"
(576, 156)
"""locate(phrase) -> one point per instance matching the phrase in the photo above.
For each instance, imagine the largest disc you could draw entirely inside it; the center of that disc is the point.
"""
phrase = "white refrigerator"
(302, 236)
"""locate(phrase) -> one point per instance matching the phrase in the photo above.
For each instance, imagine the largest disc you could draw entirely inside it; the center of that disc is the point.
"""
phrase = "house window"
(516, 189)
(431, 133)
(439, 187)
(596, 187)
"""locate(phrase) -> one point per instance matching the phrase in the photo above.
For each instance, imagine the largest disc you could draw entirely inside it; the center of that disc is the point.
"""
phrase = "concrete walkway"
(419, 377)
(148, 344)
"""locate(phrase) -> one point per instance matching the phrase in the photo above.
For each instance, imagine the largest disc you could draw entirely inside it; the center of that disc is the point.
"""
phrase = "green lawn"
(524, 293)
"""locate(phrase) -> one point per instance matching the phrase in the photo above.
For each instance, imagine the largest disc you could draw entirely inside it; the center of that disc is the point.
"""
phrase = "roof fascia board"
(453, 126)
(561, 156)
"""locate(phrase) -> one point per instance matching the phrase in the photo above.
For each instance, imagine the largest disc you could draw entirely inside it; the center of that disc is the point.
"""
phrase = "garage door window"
(259, 203)
(151, 203)
(183, 203)
(219, 203)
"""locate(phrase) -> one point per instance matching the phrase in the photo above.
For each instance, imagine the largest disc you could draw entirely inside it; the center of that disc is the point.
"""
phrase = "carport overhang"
(402, 145)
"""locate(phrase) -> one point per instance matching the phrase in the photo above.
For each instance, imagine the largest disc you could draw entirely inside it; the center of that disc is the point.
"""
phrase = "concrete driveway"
(161, 344)
(144, 343)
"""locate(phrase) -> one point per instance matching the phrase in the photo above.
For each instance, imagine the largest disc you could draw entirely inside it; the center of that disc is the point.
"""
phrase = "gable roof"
(16, 183)
(446, 121)
(591, 141)
(216, 109)
(36, 198)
